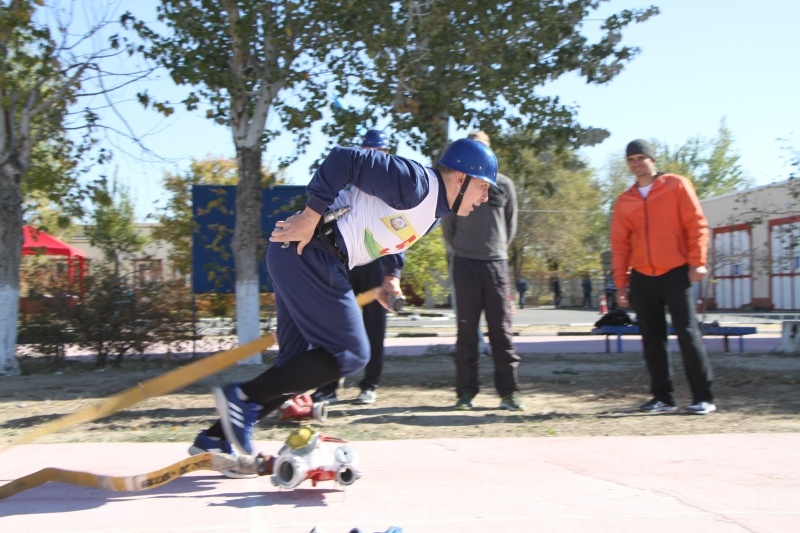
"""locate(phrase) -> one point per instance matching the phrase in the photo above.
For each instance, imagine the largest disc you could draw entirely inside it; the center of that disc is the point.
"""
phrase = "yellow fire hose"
(157, 386)
(243, 464)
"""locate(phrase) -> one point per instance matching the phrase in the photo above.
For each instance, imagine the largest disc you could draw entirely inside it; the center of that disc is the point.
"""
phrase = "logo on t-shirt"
(400, 227)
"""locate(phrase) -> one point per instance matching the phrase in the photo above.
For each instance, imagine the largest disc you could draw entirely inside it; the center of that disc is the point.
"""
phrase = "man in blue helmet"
(362, 279)
(375, 140)
(393, 202)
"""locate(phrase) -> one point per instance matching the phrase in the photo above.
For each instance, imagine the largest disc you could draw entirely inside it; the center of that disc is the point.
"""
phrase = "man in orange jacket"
(659, 239)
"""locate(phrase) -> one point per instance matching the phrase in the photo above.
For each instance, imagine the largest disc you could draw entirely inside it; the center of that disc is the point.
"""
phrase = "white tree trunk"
(9, 307)
(10, 254)
(248, 113)
(246, 237)
(248, 317)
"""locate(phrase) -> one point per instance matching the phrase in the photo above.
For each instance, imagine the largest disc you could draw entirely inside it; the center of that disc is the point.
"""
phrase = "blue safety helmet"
(473, 158)
(375, 139)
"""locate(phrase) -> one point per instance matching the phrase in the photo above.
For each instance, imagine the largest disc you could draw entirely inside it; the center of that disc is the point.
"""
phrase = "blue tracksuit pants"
(316, 307)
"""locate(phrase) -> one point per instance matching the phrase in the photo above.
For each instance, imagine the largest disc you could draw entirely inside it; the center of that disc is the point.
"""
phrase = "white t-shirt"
(375, 229)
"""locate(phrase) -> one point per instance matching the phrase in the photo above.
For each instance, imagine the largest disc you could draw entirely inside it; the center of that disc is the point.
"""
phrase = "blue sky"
(701, 62)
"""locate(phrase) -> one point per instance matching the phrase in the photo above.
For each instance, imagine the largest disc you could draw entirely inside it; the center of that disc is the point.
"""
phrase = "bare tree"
(51, 62)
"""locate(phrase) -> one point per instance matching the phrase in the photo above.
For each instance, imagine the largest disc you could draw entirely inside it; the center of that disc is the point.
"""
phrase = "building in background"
(150, 264)
(754, 249)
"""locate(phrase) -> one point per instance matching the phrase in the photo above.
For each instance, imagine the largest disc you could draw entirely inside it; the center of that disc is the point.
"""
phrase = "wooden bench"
(716, 331)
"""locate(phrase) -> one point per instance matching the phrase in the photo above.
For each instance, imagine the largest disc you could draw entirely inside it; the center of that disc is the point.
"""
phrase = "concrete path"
(694, 483)
(701, 483)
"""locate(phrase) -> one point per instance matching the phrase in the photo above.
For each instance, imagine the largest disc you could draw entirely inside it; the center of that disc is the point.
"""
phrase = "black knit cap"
(640, 146)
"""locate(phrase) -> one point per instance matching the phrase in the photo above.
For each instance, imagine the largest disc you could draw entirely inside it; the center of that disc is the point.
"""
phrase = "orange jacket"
(653, 235)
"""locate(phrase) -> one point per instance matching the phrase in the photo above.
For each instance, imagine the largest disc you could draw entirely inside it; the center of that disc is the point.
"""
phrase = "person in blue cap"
(393, 202)
(362, 279)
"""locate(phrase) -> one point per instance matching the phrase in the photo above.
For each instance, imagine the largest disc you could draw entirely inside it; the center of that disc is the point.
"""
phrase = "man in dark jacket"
(478, 246)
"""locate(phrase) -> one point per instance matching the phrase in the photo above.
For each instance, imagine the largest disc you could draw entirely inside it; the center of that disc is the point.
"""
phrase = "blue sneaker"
(237, 416)
(203, 443)
(701, 408)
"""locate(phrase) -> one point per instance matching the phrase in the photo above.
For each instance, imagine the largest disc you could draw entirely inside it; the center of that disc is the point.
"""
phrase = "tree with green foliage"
(711, 164)
(246, 60)
(174, 219)
(617, 178)
(559, 209)
(413, 61)
(46, 68)
(426, 64)
(426, 266)
(112, 226)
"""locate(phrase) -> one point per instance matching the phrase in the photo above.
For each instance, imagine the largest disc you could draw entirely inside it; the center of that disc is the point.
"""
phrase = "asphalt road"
(547, 315)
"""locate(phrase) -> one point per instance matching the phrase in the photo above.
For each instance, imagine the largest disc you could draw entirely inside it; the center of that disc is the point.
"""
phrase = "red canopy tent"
(38, 242)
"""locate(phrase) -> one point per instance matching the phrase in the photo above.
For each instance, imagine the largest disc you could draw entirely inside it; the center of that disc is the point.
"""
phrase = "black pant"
(649, 295)
(277, 384)
(483, 285)
(364, 278)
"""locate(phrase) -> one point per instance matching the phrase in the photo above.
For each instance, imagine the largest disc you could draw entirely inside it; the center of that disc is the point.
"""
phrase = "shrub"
(111, 317)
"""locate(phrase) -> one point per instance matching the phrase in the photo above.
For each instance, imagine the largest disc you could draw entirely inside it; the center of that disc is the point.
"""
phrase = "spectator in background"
(480, 278)
(611, 292)
(522, 288)
(587, 291)
(555, 286)
(659, 239)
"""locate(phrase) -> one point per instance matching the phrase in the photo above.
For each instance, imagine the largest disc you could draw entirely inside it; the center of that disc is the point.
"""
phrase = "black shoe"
(701, 408)
(321, 396)
(464, 403)
(657, 406)
(512, 402)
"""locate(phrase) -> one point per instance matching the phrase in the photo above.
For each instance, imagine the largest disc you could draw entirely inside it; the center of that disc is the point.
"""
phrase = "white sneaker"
(367, 396)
